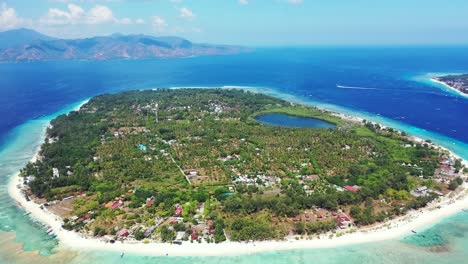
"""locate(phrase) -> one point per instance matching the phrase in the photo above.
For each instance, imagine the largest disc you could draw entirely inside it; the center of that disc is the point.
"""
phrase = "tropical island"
(458, 83)
(200, 165)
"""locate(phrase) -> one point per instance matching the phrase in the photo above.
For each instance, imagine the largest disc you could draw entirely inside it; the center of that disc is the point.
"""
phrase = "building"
(55, 173)
(178, 211)
(180, 236)
(354, 188)
(421, 191)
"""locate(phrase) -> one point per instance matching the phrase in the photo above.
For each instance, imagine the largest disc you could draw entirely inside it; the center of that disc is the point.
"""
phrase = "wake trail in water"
(356, 87)
(393, 90)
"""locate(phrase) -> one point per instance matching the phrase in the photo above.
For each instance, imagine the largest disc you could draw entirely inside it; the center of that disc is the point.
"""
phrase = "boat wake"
(356, 87)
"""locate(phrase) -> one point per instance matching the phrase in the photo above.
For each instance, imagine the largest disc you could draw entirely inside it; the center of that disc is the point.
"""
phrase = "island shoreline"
(449, 87)
(396, 228)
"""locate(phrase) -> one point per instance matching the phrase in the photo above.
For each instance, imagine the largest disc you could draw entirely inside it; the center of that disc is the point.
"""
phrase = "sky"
(249, 22)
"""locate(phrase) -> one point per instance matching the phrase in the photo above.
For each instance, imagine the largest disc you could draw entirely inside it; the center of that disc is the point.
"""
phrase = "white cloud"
(100, 15)
(77, 15)
(296, 2)
(244, 2)
(187, 13)
(9, 18)
(158, 23)
(139, 21)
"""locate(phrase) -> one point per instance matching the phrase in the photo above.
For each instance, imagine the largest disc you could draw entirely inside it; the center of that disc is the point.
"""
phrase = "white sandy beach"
(448, 86)
(397, 228)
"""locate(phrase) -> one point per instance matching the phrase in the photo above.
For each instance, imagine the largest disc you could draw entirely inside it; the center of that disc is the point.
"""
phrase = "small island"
(196, 166)
(458, 83)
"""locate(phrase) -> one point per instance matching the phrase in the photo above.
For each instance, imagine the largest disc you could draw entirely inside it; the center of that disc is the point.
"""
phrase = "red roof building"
(115, 205)
(178, 211)
(352, 188)
(150, 203)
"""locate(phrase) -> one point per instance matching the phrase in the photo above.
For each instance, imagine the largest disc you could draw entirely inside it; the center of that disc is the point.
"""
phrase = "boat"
(50, 230)
(26, 214)
(414, 231)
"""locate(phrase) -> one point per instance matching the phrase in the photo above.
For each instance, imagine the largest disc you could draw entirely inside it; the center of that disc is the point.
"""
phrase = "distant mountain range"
(28, 45)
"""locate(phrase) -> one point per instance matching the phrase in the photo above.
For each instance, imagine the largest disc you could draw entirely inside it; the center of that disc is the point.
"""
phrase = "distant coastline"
(25, 45)
(395, 228)
(438, 80)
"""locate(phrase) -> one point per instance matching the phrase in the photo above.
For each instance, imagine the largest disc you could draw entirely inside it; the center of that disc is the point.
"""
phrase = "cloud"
(76, 15)
(100, 15)
(158, 23)
(244, 2)
(187, 13)
(9, 18)
(139, 21)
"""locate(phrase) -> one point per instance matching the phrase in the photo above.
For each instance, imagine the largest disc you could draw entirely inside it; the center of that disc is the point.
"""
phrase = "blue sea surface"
(388, 85)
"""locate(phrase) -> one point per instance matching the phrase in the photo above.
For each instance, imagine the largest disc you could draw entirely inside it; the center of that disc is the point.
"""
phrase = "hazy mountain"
(18, 37)
(116, 46)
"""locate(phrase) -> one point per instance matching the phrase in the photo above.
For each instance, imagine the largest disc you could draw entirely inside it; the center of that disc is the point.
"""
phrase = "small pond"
(292, 121)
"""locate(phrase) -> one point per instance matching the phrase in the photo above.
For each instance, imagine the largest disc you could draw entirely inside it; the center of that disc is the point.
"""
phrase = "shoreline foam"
(394, 229)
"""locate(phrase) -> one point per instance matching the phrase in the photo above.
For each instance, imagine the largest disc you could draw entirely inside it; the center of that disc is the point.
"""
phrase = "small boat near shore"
(50, 231)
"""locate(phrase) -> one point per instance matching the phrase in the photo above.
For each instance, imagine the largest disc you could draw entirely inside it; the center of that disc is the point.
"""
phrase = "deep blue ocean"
(391, 85)
(31, 90)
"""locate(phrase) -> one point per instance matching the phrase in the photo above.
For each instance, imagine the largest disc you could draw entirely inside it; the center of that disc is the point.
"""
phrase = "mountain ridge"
(21, 36)
(39, 47)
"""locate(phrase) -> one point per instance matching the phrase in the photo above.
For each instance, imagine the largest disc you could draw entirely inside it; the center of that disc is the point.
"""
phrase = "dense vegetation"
(114, 148)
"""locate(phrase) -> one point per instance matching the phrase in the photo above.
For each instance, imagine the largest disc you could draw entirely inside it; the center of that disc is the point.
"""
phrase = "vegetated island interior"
(457, 82)
(174, 165)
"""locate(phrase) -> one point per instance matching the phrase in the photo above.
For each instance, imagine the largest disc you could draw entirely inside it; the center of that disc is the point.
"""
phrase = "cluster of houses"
(424, 191)
(318, 214)
(201, 230)
(128, 130)
(459, 84)
(344, 221)
(257, 180)
(86, 219)
(147, 231)
(222, 107)
(349, 188)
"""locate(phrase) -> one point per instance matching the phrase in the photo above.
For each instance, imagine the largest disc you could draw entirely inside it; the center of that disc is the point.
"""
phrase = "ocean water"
(388, 85)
